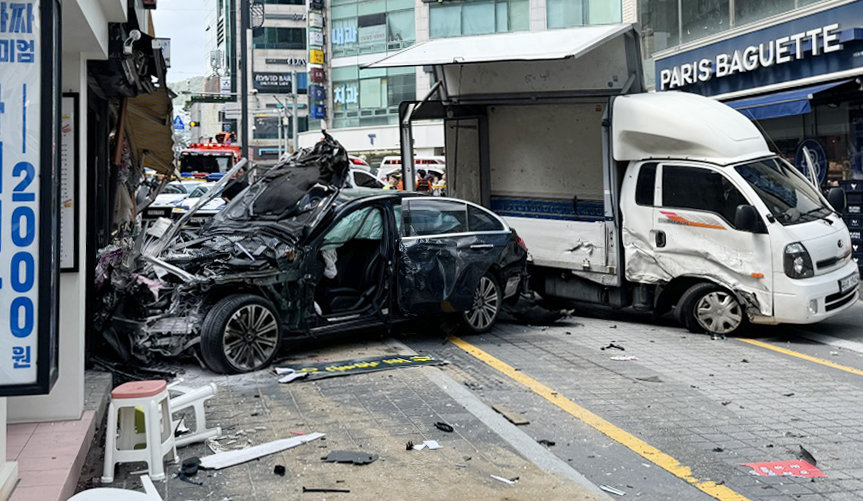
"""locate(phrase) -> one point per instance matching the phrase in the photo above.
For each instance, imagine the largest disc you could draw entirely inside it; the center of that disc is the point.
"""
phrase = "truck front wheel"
(706, 307)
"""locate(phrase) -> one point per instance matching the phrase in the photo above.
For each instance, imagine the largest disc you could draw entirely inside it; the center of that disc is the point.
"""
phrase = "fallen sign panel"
(795, 468)
(232, 458)
(348, 367)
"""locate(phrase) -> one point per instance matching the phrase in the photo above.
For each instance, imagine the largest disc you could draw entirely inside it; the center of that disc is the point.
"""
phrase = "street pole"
(244, 75)
(281, 134)
(294, 119)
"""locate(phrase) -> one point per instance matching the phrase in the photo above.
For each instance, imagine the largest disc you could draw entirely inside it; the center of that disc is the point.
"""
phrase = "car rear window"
(480, 220)
(434, 217)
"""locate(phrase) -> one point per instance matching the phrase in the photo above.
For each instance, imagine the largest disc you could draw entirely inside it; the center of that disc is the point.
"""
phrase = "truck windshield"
(790, 198)
(205, 163)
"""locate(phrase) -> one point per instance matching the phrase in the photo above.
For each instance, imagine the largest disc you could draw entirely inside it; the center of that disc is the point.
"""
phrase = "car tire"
(706, 307)
(241, 333)
(485, 309)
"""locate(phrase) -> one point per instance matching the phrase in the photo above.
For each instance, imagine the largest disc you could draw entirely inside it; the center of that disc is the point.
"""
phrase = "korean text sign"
(23, 177)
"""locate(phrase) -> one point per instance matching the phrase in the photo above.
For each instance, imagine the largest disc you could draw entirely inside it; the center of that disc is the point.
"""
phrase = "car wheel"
(485, 309)
(241, 333)
(706, 307)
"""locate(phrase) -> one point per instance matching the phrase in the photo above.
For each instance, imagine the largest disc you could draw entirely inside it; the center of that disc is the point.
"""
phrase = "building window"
(370, 97)
(266, 128)
(569, 13)
(371, 27)
(285, 2)
(478, 18)
(701, 18)
(748, 11)
(280, 38)
(668, 23)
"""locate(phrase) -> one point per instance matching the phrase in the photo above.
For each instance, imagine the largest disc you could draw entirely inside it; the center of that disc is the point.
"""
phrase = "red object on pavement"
(795, 468)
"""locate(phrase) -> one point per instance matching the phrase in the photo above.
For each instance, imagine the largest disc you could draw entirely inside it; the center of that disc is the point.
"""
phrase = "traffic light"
(194, 124)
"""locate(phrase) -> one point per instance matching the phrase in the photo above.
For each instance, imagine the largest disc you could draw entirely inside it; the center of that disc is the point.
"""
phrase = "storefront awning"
(518, 46)
(781, 104)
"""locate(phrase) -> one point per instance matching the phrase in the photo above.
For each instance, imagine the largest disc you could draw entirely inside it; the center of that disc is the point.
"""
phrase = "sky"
(184, 22)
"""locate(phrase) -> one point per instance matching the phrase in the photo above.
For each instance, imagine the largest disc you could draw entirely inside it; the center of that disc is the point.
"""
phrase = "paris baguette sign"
(29, 203)
(822, 40)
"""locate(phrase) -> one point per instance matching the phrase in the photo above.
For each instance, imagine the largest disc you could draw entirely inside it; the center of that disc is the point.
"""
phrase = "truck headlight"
(798, 264)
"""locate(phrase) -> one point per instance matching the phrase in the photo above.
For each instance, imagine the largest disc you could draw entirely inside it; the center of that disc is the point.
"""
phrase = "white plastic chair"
(111, 494)
(121, 437)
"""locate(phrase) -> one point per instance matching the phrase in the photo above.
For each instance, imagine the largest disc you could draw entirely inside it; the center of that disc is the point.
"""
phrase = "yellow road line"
(803, 356)
(626, 439)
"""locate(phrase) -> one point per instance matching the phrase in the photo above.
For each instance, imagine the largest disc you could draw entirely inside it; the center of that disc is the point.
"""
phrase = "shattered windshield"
(293, 192)
(789, 197)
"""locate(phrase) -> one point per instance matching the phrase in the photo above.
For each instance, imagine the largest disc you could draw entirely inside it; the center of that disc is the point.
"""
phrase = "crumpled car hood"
(262, 226)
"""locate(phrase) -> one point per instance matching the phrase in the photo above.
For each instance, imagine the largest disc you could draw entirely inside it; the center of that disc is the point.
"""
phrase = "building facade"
(277, 75)
(362, 104)
(793, 66)
(114, 116)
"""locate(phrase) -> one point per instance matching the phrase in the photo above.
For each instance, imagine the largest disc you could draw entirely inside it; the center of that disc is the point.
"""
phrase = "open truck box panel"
(519, 110)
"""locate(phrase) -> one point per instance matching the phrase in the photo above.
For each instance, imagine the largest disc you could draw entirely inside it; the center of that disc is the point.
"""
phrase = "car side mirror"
(746, 218)
(836, 197)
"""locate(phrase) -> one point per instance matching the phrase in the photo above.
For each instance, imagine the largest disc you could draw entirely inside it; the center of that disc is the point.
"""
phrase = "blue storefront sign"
(317, 111)
(29, 201)
(316, 92)
(818, 44)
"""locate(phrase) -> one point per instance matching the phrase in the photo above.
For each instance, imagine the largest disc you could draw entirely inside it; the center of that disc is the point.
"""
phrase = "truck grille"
(838, 300)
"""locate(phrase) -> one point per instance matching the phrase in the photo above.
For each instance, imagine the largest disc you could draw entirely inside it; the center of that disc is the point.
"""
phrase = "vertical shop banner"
(316, 38)
(29, 133)
(316, 20)
(69, 183)
(316, 75)
(318, 111)
(316, 56)
(316, 93)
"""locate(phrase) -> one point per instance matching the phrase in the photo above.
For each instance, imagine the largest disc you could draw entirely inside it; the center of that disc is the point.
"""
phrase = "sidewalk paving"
(376, 413)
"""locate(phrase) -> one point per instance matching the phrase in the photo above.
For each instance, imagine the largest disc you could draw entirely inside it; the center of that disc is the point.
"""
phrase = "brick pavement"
(723, 394)
(375, 412)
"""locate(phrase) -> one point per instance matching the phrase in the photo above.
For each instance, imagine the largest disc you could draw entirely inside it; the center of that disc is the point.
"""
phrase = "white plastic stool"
(111, 494)
(158, 436)
(194, 398)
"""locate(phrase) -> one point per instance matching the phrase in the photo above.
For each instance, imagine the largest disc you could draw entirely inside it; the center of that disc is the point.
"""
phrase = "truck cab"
(656, 201)
(730, 231)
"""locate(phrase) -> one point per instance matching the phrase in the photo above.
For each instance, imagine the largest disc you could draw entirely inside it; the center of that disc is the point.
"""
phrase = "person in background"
(393, 182)
(233, 189)
(423, 182)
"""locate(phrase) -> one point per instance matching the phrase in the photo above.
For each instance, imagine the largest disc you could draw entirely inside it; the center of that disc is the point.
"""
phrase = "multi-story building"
(214, 106)
(362, 104)
(278, 56)
(793, 66)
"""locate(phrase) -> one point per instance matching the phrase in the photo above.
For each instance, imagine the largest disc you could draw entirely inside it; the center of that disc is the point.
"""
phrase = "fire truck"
(201, 159)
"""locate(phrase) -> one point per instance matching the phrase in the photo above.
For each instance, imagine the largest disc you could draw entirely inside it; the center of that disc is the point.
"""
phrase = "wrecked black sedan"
(295, 255)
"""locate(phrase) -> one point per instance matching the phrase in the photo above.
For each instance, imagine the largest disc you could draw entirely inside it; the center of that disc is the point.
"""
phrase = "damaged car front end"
(248, 258)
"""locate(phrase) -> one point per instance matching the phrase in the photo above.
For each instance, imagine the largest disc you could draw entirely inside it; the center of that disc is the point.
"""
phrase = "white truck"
(626, 198)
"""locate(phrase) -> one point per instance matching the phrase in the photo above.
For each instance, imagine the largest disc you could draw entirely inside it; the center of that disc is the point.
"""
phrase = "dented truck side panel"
(663, 241)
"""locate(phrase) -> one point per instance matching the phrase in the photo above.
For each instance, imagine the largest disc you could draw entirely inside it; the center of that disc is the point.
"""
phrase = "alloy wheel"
(251, 336)
(483, 312)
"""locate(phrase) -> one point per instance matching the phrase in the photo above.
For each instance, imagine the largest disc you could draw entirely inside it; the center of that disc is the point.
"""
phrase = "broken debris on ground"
(352, 457)
(317, 371)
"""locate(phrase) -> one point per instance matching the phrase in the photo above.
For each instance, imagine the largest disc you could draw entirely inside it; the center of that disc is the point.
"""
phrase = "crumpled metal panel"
(159, 301)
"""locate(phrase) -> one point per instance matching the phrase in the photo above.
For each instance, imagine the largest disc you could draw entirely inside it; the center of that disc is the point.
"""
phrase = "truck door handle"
(660, 238)
(482, 246)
